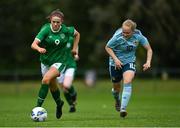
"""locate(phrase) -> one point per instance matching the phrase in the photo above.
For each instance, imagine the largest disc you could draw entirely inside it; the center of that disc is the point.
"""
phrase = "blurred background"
(96, 20)
(155, 100)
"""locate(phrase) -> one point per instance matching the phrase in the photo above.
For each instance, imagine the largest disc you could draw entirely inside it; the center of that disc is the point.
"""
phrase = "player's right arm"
(40, 36)
(35, 46)
(118, 63)
(111, 43)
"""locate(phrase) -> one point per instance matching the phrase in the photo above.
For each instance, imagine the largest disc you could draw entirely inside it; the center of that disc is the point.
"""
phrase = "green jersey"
(55, 44)
(71, 63)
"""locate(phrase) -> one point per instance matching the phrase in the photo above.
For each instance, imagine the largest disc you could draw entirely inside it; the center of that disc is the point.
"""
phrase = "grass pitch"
(154, 103)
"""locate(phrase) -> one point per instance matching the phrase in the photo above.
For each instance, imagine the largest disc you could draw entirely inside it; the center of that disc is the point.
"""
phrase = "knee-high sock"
(42, 94)
(69, 94)
(115, 94)
(68, 97)
(126, 94)
(56, 97)
(72, 91)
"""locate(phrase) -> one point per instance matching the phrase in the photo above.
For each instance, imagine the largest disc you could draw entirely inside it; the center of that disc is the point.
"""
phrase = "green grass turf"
(154, 103)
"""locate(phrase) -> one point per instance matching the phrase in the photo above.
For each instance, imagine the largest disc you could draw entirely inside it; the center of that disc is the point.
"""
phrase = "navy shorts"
(117, 74)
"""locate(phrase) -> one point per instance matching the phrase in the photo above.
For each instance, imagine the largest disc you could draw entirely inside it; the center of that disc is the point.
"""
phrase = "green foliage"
(96, 21)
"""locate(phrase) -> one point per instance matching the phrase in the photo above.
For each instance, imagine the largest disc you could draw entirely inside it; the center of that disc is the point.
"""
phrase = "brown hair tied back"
(57, 13)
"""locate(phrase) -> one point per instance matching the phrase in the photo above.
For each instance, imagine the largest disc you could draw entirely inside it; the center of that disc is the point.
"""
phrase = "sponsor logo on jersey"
(57, 41)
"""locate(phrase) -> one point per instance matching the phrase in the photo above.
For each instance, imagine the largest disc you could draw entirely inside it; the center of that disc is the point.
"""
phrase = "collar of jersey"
(53, 30)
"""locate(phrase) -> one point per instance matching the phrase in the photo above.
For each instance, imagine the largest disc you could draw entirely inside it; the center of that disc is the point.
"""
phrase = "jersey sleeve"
(112, 42)
(143, 40)
(42, 33)
(71, 31)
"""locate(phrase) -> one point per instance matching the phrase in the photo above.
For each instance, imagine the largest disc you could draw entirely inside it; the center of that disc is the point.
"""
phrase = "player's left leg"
(68, 89)
(128, 70)
(70, 93)
(73, 94)
(54, 71)
(127, 90)
(56, 96)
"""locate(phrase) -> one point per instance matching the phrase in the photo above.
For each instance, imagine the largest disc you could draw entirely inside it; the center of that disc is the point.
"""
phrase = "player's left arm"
(76, 42)
(145, 43)
(147, 65)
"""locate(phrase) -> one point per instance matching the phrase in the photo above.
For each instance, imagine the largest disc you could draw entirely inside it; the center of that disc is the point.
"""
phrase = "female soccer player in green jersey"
(65, 80)
(51, 43)
(121, 48)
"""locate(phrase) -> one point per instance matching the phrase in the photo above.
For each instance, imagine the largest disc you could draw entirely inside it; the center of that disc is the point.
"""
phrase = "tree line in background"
(96, 20)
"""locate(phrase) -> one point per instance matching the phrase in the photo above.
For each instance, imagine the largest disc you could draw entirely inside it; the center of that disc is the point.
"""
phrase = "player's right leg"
(116, 76)
(43, 91)
(116, 95)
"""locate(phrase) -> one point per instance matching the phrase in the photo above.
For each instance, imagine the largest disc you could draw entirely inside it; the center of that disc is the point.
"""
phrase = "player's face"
(56, 22)
(126, 31)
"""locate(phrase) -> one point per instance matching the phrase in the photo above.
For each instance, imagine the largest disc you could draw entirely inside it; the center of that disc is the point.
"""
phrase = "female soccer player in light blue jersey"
(121, 48)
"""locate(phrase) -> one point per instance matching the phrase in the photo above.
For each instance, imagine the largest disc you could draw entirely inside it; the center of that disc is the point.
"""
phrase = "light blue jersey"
(125, 49)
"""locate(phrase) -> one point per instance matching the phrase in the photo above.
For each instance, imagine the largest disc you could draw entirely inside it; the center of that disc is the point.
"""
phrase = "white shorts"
(45, 68)
(68, 72)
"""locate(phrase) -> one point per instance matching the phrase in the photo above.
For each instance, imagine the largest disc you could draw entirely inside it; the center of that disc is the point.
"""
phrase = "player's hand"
(74, 52)
(76, 57)
(42, 50)
(146, 66)
(118, 64)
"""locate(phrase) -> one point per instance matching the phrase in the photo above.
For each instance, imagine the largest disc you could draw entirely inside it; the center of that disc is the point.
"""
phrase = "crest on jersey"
(62, 35)
(136, 42)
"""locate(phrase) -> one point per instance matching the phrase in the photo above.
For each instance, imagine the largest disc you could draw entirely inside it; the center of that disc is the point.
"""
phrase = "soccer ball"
(38, 114)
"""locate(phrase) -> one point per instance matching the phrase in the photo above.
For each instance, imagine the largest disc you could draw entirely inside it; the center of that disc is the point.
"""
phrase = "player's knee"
(127, 81)
(65, 89)
(67, 84)
(53, 88)
(46, 80)
(116, 88)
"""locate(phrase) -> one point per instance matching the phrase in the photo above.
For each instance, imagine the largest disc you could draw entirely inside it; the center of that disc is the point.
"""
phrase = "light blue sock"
(126, 94)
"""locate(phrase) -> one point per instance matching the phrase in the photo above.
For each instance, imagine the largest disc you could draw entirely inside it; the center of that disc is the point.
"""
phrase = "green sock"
(69, 94)
(72, 91)
(68, 98)
(42, 94)
(56, 97)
